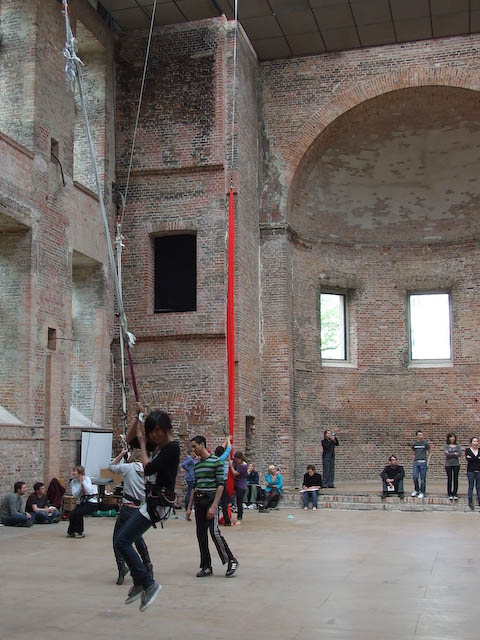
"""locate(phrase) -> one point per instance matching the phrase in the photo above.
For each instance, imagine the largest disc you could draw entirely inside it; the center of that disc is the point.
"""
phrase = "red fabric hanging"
(231, 330)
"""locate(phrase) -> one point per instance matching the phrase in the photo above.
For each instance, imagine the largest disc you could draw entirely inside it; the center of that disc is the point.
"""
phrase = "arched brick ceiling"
(399, 168)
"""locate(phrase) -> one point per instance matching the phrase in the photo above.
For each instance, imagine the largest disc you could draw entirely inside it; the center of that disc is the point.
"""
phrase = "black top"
(312, 481)
(396, 473)
(252, 478)
(165, 465)
(42, 502)
(329, 446)
(473, 461)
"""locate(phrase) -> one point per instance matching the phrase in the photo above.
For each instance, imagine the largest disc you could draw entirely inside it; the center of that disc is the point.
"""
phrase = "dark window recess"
(52, 339)
(176, 273)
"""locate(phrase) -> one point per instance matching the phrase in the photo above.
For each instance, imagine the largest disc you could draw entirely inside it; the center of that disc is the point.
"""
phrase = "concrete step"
(377, 502)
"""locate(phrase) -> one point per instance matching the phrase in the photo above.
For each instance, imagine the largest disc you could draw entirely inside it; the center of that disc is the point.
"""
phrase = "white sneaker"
(421, 495)
(414, 494)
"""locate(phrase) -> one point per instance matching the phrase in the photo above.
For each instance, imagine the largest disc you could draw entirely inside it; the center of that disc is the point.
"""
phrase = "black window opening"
(176, 273)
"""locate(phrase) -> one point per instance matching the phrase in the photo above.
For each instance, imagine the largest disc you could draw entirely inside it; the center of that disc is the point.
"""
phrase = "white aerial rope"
(132, 151)
(73, 75)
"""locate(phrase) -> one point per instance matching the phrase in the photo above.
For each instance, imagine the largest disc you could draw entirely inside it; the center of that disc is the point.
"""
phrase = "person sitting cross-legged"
(37, 504)
(312, 483)
(273, 488)
(11, 511)
(392, 478)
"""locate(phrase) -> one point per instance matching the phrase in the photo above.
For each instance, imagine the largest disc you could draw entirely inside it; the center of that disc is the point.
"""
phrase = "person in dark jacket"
(392, 478)
(472, 454)
(329, 442)
(312, 483)
(253, 484)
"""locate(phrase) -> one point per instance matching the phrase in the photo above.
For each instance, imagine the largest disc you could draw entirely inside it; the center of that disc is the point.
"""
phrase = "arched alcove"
(386, 201)
(398, 168)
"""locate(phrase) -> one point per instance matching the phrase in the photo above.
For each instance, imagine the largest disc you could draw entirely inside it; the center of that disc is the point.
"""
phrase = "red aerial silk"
(231, 330)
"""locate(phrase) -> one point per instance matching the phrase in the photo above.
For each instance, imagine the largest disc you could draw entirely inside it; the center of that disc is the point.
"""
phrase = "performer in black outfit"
(160, 472)
(329, 442)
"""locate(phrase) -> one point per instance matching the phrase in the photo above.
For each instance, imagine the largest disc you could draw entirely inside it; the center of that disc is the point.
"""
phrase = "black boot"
(122, 572)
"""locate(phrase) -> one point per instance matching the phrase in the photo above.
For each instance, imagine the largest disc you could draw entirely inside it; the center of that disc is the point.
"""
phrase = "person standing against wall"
(452, 465)
(188, 465)
(472, 454)
(421, 460)
(329, 442)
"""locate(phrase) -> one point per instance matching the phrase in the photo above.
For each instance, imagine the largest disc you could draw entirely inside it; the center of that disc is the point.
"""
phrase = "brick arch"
(309, 130)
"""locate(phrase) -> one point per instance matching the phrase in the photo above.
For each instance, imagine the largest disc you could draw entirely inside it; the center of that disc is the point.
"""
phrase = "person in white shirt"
(133, 498)
(87, 502)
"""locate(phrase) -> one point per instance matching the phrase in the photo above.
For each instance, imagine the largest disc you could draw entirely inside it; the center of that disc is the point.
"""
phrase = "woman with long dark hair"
(452, 452)
(239, 470)
(160, 470)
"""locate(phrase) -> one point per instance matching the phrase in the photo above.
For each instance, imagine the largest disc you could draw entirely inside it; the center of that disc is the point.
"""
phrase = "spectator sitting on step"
(252, 486)
(312, 483)
(37, 504)
(392, 478)
(273, 488)
(11, 512)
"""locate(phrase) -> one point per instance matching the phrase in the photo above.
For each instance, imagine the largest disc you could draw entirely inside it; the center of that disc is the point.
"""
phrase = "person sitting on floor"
(312, 483)
(11, 511)
(273, 488)
(392, 478)
(37, 504)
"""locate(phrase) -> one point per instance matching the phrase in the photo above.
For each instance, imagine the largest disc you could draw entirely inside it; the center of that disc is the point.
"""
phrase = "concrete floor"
(339, 575)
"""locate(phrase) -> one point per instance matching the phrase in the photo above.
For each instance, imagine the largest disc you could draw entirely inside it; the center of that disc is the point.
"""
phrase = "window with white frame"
(333, 326)
(430, 327)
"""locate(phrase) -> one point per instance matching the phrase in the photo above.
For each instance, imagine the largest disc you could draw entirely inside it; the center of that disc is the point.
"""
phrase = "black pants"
(239, 495)
(328, 471)
(224, 500)
(271, 499)
(124, 515)
(202, 505)
(398, 486)
(75, 524)
(452, 480)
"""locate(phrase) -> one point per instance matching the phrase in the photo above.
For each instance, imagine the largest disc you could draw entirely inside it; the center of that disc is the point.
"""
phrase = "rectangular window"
(333, 326)
(430, 326)
(176, 273)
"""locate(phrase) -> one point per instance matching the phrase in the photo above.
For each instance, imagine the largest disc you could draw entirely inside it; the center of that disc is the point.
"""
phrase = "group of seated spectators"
(37, 508)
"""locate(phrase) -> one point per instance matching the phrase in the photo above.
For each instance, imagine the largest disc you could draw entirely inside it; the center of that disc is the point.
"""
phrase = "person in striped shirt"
(208, 489)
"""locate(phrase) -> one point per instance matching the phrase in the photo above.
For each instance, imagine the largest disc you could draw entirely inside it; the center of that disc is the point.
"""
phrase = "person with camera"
(208, 490)
(87, 502)
(329, 442)
(160, 473)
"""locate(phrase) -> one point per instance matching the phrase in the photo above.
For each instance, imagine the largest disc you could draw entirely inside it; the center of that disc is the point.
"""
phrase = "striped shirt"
(208, 474)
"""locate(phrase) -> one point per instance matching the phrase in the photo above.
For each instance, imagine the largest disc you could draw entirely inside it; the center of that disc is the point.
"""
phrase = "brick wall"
(42, 223)
(341, 238)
